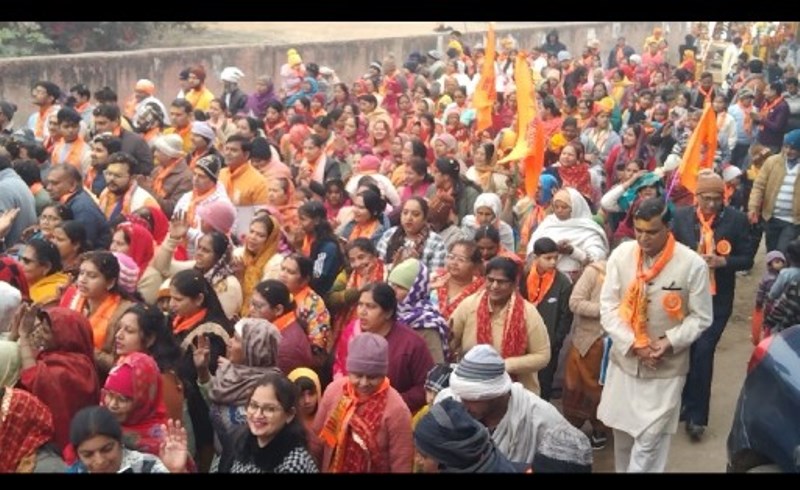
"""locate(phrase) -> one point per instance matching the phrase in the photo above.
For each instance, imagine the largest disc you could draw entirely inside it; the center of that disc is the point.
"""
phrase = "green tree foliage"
(41, 38)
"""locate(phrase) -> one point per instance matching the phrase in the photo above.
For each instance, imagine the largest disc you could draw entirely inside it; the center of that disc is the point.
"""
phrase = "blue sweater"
(94, 221)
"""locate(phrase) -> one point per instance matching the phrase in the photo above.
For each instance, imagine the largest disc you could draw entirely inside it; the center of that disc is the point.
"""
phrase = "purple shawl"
(417, 311)
(257, 103)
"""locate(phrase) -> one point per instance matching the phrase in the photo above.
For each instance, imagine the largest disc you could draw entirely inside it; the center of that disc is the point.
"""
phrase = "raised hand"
(174, 453)
(7, 218)
(178, 226)
(202, 354)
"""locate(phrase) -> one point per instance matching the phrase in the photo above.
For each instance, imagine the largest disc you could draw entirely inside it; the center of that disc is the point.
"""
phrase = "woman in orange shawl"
(97, 295)
(260, 245)
(363, 423)
(283, 201)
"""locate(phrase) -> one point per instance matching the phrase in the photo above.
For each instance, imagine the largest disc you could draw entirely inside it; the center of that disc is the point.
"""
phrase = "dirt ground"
(730, 364)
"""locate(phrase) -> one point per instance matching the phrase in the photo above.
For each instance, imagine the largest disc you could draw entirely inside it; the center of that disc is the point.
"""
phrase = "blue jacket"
(94, 221)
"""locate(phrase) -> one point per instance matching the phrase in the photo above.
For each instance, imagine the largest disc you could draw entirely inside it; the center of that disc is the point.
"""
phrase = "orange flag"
(526, 107)
(486, 92)
(534, 160)
(705, 134)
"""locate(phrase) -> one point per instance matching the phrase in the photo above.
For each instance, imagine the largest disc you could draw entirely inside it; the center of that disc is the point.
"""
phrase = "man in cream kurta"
(642, 394)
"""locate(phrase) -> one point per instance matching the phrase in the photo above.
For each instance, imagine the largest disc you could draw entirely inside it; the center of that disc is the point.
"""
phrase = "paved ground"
(730, 364)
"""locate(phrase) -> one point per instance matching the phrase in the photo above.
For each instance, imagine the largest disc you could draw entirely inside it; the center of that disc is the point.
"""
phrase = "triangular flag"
(693, 159)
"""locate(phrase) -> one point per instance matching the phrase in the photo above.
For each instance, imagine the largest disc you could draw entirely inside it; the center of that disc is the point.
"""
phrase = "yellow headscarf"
(254, 265)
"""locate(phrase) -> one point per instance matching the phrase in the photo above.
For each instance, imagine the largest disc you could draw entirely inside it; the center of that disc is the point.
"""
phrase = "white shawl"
(582, 232)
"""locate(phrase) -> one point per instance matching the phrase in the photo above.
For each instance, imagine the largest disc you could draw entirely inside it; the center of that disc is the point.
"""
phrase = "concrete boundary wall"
(350, 59)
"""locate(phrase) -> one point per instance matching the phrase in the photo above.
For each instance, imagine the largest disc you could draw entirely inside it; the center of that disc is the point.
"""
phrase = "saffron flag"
(531, 143)
(526, 107)
(486, 92)
(694, 159)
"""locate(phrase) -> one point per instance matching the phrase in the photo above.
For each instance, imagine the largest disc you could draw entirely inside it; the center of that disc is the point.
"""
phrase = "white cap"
(231, 74)
(730, 172)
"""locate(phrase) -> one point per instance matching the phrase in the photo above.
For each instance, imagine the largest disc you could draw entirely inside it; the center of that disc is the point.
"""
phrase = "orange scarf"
(284, 321)
(448, 306)
(352, 431)
(536, 215)
(88, 180)
(515, 338)
(633, 308)
(706, 245)
(706, 95)
(158, 182)
(539, 286)
(748, 120)
(306, 249)
(73, 155)
(729, 191)
(197, 199)
(186, 323)
(365, 230)
(227, 180)
(109, 200)
(194, 157)
(40, 122)
(99, 318)
(768, 107)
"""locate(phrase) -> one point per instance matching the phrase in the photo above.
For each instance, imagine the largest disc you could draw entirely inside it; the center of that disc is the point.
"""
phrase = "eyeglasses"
(500, 281)
(264, 409)
(457, 258)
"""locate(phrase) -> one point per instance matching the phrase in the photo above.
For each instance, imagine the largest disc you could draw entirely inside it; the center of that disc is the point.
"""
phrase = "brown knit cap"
(709, 181)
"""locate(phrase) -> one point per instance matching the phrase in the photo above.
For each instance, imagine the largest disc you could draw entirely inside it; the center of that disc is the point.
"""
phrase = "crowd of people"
(323, 276)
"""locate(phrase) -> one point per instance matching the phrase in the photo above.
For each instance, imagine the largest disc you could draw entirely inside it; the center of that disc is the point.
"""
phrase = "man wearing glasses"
(655, 302)
(501, 317)
(719, 234)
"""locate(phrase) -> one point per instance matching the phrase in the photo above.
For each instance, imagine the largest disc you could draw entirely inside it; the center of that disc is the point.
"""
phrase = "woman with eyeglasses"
(460, 278)
(133, 392)
(251, 353)
(271, 301)
(41, 264)
(273, 440)
(52, 215)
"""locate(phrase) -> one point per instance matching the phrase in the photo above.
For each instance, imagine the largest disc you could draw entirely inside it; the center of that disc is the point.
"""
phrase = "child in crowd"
(788, 274)
(549, 290)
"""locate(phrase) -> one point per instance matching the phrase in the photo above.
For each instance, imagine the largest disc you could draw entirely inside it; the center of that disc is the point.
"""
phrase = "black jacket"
(730, 225)
(238, 100)
(136, 145)
(554, 308)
